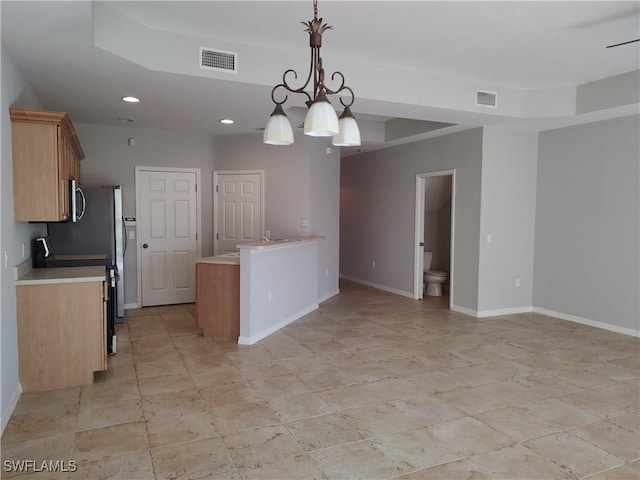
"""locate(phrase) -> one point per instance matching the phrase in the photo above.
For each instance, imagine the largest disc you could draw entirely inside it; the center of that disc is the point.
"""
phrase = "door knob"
(145, 245)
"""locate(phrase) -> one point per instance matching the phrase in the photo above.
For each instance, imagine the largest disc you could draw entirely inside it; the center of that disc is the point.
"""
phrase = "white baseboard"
(328, 296)
(466, 311)
(268, 331)
(503, 311)
(586, 321)
(8, 411)
(131, 306)
(378, 286)
(509, 311)
(491, 313)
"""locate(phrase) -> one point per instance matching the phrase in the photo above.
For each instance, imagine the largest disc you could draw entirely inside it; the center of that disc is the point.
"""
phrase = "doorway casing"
(419, 231)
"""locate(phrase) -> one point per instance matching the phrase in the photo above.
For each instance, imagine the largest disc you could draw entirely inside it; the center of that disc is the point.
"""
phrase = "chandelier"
(321, 119)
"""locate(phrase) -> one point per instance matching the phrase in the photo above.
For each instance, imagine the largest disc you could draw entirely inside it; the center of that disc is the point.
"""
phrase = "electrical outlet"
(6, 259)
(132, 234)
(326, 272)
(304, 223)
(373, 264)
(267, 233)
(269, 295)
(23, 249)
(517, 283)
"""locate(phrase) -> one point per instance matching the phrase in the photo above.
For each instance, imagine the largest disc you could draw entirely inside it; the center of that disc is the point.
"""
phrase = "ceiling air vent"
(221, 60)
(486, 99)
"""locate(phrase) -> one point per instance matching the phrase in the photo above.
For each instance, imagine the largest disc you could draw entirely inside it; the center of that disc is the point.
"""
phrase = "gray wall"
(301, 182)
(377, 207)
(15, 93)
(495, 194)
(286, 172)
(437, 229)
(437, 236)
(608, 92)
(324, 214)
(509, 160)
(111, 161)
(587, 222)
(444, 238)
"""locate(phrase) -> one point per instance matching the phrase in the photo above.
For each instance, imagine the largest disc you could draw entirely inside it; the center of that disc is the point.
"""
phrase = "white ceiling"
(517, 45)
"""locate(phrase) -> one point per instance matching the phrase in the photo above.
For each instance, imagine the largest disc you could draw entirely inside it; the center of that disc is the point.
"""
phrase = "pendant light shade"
(278, 130)
(321, 119)
(349, 134)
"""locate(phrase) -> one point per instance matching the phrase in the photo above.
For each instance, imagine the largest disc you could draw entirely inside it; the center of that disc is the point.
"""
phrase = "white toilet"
(433, 278)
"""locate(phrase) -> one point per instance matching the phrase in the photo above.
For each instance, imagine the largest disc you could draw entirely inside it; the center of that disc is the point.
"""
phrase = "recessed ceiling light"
(131, 99)
(226, 121)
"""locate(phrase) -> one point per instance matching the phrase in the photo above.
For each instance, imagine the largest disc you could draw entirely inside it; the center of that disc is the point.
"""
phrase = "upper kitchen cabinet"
(46, 157)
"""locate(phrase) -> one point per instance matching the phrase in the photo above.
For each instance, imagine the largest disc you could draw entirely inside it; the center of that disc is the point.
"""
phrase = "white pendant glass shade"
(321, 120)
(278, 131)
(349, 134)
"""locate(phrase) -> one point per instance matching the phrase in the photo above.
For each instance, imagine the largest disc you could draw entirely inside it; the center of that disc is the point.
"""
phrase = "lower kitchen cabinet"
(61, 333)
(218, 300)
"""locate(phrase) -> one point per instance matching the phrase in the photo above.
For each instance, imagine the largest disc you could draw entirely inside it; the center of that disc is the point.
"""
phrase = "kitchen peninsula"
(245, 296)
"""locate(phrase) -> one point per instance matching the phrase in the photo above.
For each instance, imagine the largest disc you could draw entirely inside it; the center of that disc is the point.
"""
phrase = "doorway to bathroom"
(435, 229)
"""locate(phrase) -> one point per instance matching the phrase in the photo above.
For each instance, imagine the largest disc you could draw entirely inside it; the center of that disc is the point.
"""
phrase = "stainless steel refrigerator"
(100, 232)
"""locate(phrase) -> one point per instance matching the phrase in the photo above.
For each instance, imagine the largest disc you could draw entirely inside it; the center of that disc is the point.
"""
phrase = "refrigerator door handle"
(124, 231)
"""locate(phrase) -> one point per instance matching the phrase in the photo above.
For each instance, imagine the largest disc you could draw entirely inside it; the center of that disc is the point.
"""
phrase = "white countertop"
(233, 258)
(281, 243)
(39, 276)
(223, 259)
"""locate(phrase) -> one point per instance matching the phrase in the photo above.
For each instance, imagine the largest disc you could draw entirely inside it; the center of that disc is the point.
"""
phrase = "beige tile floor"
(371, 385)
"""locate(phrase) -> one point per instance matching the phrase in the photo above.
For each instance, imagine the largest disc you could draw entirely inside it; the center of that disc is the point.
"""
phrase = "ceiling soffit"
(173, 52)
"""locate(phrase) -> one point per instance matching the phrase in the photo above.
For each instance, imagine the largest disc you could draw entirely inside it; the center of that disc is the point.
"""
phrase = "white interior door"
(167, 236)
(239, 210)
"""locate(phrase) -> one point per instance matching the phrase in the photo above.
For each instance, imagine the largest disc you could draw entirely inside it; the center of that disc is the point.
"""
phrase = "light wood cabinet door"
(218, 300)
(36, 177)
(61, 334)
(46, 155)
